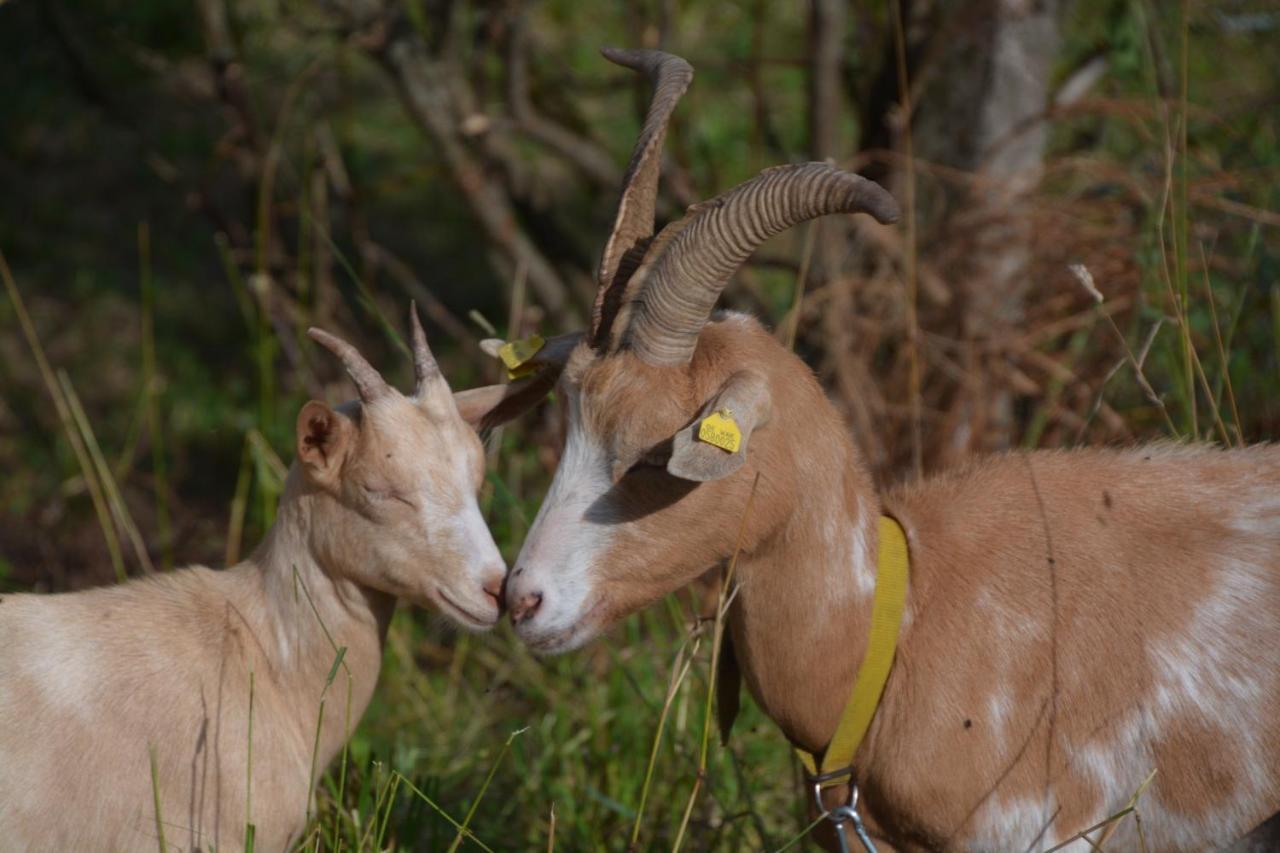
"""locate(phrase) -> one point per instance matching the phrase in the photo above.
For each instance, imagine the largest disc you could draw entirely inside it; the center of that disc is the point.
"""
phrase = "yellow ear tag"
(522, 371)
(516, 354)
(720, 429)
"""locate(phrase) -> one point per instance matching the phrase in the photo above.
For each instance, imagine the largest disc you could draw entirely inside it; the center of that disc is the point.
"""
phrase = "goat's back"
(1079, 619)
(92, 683)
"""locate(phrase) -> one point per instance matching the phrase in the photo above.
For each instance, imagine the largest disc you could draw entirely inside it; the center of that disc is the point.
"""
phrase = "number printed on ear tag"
(721, 430)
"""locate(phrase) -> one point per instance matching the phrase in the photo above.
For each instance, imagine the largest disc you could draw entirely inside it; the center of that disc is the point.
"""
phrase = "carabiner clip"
(847, 813)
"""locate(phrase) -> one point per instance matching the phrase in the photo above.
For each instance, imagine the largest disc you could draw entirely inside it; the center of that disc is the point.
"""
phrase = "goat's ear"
(494, 405)
(744, 398)
(324, 437)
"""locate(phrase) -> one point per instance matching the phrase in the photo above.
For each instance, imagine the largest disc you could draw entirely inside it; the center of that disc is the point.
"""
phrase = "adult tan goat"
(379, 505)
(1075, 620)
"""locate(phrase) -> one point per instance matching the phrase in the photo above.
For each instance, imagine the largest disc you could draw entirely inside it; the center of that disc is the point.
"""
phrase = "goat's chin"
(467, 617)
(558, 642)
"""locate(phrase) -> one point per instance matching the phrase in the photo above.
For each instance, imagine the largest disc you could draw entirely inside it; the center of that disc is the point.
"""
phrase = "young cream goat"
(379, 505)
(1075, 620)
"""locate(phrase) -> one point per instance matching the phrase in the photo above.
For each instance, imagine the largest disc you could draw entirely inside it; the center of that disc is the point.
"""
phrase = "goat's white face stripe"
(564, 546)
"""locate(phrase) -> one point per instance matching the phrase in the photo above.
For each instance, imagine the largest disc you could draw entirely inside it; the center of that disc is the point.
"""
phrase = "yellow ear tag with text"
(516, 354)
(721, 430)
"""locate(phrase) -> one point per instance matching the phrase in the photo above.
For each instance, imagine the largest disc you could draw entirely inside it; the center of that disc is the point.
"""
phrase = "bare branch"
(594, 162)
(419, 79)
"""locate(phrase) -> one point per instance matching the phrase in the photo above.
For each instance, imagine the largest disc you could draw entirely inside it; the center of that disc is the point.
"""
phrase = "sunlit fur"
(93, 682)
(1075, 619)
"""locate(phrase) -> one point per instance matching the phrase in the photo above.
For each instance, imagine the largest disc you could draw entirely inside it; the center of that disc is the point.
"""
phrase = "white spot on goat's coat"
(1028, 819)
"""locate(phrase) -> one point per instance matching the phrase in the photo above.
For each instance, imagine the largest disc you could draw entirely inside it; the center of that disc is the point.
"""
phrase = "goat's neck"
(309, 612)
(800, 620)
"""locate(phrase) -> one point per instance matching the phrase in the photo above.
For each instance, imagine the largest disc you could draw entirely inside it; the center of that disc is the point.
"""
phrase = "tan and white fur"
(1075, 619)
(379, 505)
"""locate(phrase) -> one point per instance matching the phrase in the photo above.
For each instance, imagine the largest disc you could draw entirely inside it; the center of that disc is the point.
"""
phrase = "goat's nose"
(525, 607)
(493, 589)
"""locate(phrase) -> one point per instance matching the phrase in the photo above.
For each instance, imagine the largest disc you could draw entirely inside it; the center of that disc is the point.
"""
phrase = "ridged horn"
(369, 383)
(425, 369)
(673, 292)
(633, 224)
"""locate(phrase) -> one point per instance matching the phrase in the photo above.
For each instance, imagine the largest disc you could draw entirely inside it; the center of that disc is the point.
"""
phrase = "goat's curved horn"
(672, 294)
(425, 369)
(369, 383)
(633, 224)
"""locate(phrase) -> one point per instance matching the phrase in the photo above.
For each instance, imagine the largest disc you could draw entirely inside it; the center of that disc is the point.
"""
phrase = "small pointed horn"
(670, 297)
(425, 368)
(633, 224)
(369, 383)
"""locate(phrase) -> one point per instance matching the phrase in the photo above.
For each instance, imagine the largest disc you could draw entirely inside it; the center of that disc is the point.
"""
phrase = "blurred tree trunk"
(826, 63)
(980, 99)
(833, 237)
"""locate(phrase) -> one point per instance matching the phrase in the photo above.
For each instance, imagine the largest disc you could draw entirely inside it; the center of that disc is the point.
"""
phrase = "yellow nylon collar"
(886, 619)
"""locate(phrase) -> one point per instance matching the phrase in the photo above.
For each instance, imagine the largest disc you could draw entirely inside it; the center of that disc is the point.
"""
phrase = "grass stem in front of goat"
(249, 829)
(1111, 823)
(792, 320)
(680, 667)
(155, 796)
(727, 594)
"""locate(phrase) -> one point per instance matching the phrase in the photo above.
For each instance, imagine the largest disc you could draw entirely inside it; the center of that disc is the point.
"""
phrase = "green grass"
(497, 741)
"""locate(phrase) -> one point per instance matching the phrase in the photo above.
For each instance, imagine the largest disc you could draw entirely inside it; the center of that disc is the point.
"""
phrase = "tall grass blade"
(1182, 215)
(792, 842)
(493, 768)
(680, 667)
(155, 798)
(315, 757)
(909, 216)
(1222, 352)
(462, 830)
(792, 324)
(1275, 320)
(727, 593)
(386, 814)
(115, 501)
(366, 295)
(239, 506)
(87, 469)
(151, 388)
(340, 653)
(249, 829)
(271, 474)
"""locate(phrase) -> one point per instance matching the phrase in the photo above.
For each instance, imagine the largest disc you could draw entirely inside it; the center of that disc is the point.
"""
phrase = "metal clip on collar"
(848, 813)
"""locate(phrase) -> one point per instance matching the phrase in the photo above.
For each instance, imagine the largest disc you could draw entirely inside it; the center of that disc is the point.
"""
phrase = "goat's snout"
(494, 589)
(525, 606)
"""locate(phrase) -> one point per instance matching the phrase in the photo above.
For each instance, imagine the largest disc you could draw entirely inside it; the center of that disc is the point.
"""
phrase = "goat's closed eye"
(655, 458)
(385, 493)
